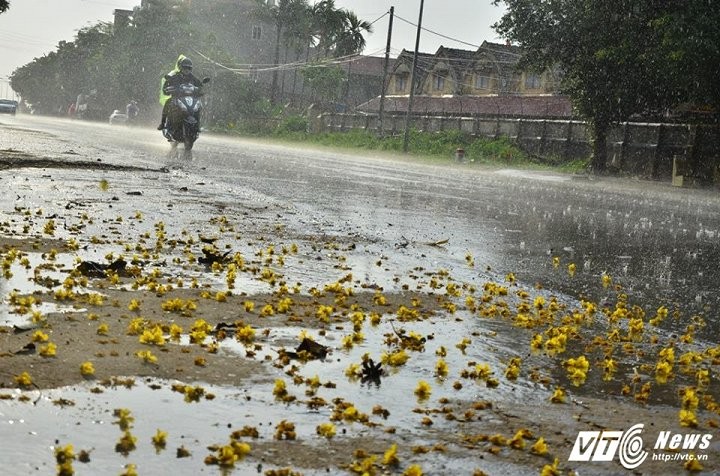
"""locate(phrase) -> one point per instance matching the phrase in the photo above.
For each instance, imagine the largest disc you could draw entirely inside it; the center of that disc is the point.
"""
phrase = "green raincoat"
(164, 97)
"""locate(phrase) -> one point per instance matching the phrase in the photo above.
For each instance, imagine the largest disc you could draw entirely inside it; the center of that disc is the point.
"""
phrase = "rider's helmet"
(185, 65)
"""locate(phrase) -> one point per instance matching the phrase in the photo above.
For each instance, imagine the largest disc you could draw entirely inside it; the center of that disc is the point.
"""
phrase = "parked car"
(8, 106)
(118, 117)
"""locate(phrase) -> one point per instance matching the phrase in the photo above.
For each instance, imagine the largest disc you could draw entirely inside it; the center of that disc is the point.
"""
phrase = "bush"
(292, 124)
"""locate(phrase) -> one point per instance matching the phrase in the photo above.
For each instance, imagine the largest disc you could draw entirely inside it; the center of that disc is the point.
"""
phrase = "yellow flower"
(462, 345)
(688, 418)
(413, 470)
(126, 443)
(537, 342)
(146, 356)
(64, 458)
(668, 354)
(693, 465)
(577, 369)
(518, 441)
(703, 377)
(125, 418)
(423, 390)
(347, 342)
(48, 350)
(245, 334)
(394, 359)
(325, 429)
(23, 380)
(103, 329)
(483, 371)
(40, 336)
(280, 389)
(159, 439)
(540, 447)
(551, 469)
(609, 368)
(558, 396)
(513, 369)
(571, 269)
(175, 331)
(134, 305)
(390, 457)
(87, 369)
(240, 448)
(353, 371)
(130, 470)
(441, 368)
(350, 414)
(153, 336)
(663, 371)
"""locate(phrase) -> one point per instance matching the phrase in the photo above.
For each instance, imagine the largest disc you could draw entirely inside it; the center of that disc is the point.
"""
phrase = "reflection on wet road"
(507, 259)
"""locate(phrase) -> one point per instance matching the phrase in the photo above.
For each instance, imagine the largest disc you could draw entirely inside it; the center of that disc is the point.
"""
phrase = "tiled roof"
(369, 65)
(517, 106)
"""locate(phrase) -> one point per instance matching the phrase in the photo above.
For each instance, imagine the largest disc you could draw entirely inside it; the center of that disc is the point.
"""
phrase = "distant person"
(181, 74)
(81, 106)
(71, 110)
(131, 111)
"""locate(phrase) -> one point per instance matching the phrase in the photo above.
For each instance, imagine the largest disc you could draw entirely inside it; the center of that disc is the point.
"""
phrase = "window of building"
(400, 83)
(482, 81)
(439, 82)
(256, 32)
(532, 81)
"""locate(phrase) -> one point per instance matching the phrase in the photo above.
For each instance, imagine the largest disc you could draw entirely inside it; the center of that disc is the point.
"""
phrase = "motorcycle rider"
(181, 74)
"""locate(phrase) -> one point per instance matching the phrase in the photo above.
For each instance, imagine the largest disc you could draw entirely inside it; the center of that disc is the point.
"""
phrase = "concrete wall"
(645, 149)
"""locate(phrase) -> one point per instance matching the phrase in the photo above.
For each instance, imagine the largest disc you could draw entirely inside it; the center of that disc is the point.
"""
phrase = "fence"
(645, 149)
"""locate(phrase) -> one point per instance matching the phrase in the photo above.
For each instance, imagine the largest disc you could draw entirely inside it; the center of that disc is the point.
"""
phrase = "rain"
(485, 294)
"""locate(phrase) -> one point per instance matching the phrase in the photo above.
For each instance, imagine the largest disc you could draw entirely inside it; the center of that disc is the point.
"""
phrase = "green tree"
(325, 81)
(613, 54)
(282, 14)
(328, 23)
(4, 5)
(689, 49)
(350, 40)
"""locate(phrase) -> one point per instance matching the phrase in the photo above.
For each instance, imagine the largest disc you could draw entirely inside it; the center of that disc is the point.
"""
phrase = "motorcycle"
(182, 125)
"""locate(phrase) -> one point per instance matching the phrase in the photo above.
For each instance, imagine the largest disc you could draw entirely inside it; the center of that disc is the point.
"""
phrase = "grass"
(434, 146)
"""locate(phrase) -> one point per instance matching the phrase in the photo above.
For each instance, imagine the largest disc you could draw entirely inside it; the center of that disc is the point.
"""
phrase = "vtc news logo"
(628, 445)
(603, 445)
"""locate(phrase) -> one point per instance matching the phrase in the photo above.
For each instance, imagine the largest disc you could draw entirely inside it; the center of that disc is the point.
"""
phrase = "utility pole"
(412, 80)
(385, 68)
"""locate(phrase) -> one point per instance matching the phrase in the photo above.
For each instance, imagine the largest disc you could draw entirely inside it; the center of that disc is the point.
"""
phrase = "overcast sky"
(32, 28)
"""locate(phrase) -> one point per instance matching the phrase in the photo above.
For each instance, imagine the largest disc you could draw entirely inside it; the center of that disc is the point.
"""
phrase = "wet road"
(659, 243)
(662, 244)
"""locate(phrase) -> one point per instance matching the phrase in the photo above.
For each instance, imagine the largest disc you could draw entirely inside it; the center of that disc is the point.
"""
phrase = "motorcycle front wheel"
(187, 153)
(174, 153)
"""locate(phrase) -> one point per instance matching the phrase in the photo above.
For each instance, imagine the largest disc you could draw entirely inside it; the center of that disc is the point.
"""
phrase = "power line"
(436, 33)
(254, 68)
(479, 47)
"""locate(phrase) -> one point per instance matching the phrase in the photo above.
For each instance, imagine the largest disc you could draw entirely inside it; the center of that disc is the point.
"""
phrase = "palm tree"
(282, 13)
(328, 22)
(351, 40)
